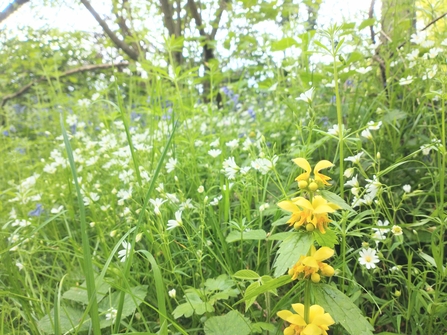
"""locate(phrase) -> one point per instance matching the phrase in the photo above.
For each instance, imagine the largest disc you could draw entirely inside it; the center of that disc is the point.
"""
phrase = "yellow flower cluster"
(312, 266)
(318, 322)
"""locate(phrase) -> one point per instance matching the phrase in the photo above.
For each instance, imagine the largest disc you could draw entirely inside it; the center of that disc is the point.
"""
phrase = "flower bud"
(315, 277)
(302, 184)
(313, 186)
(397, 293)
(310, 227)
(327, 270)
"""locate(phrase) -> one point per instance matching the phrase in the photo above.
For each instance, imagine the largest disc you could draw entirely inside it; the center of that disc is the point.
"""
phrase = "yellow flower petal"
(323, 253)
(304, 164)
(284, 314)
(324, 164)
(303, 203)
(299, 308)
(311, 329)
(296, 319)
(288, 206)
(314, 311)
(310, 262)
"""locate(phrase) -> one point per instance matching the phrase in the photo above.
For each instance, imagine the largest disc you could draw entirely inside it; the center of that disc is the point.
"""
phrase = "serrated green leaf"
(336, 199)
(193, 305)
(256, 234)
(246, 274)
(290, 251)
(342, 309)
(229, 324)
(367, 23)
(259, 327)
(283, 44)
(69, 319)
(221, 283)
(329, 239)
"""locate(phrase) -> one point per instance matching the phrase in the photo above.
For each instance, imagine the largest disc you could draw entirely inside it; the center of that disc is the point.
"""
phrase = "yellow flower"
(319, 321)
(318, 177)
(311, 265)
(304, 211)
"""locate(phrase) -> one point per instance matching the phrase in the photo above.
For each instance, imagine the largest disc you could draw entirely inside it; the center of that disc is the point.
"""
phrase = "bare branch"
(11, 8)
(434, 21)
(371, 27)
(133, 54)
(85, 68)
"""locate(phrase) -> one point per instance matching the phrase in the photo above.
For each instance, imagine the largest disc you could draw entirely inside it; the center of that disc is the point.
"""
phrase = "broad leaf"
(269, 286)
(290, 251)
(342, 309)
(79, 293)
(336, 199)
(283, 44)
(229, 324)
(329, 239)
(246, 274)
(256, 234)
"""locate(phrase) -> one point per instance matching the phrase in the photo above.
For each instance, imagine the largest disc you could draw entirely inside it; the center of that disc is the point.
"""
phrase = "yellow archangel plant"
(312, 266)
(317, 324)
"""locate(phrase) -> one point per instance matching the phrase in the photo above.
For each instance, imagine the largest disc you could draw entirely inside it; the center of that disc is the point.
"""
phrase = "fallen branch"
(85, 68)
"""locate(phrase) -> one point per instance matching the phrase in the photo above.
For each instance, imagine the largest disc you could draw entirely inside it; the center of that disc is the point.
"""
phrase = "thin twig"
(85, 68)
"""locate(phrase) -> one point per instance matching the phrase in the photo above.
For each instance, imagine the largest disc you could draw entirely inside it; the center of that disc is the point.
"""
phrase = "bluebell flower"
(251, 112)
(20, 151)
(5, 133)
(36, 212)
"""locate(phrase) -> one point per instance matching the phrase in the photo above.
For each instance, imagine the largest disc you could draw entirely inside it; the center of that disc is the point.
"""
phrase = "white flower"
(354, 159)
(306, 96)
(186, 205)
(177, 222)
(215, 143)
(84, 102)
(157, 203)
(349, 172)
(412, 56)
(335, 128)
(111, 315)
(57, 210)
(172, 293)
(170, 165)
(406, 188)
(124, 195)
(353, 182)
(214, 152)
(380, 233)
(396, 230)
(262, 164)
(124, 253)
(263, 207)
(431, 73)
(406, 81)
(368, 258)
(19, 265)
(245, 170)
(233, 144)
(419, 37)
(230, 168)
(374, 125)
(366, 134)
(363, 70)
(201, 189)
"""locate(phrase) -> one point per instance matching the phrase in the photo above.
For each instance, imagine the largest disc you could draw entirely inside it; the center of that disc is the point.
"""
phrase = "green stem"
(307, 301)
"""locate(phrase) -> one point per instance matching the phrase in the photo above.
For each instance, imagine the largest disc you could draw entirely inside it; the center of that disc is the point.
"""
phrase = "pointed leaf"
(290, 251)
(329, 239)
(256, 234)
(342, 309)
(336, 199)
(246, 274)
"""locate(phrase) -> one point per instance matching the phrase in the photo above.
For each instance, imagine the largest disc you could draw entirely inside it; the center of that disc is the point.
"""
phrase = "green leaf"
(367, 23)
(256, 234)
(283, 44)
(342, 309)
(336, 199)
(321, 45)
(221, 283)
(250, 289)
(325, 240)
(193, 305)
(79, 293)
(259, 327)
(281, 221)
(69, 319)
(246, 274)
(228, 324)
(290, 251)
(267, 287)
(279, 237)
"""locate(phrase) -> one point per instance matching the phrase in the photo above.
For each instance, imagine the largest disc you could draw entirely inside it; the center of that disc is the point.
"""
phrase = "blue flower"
(36, 212)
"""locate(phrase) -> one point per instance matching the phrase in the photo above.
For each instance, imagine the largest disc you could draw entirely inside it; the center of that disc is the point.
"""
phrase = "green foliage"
(290, 251)
(228, 324)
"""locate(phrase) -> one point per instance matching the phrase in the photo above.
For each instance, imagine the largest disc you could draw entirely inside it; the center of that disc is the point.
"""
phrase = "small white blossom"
(368, 258)
(233, 144)
(177, 222)
(354, 159)
(201, 189)
(172, 293)
(111, 315)
(366, 134)
(214, 152)
(380, 233)
(406, 81)
(374, 125)
(396, 230)
(125, 252)
(170, 165)
(406, 188)
(306, 96)
(263, 207)
(157, 203)
(230, 168)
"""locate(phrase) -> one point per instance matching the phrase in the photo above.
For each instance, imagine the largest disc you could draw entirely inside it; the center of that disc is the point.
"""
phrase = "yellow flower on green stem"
(312, 266)
(318, 177)
(318, 324)
(304, 211)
